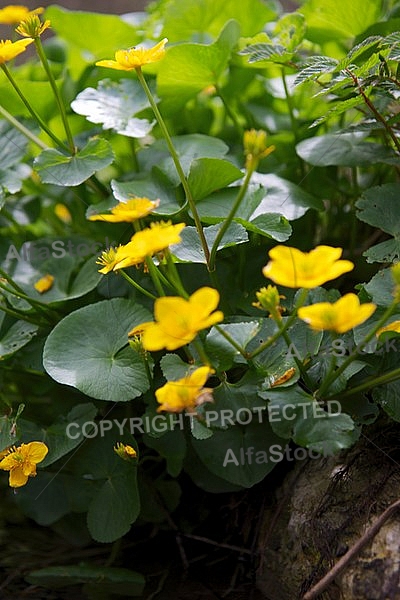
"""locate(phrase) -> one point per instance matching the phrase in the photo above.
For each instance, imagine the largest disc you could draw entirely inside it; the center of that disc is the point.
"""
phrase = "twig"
(317, 589)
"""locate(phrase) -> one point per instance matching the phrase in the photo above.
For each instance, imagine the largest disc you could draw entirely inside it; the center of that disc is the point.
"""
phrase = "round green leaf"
(89, 350)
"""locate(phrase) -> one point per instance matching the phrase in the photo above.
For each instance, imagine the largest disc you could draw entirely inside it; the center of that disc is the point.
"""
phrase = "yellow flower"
(9, 49)
(44, 284)
(185, 393)
(177, 321)
(255, 147)
(21, 462)
(129, 211)
(63, 213)
(147, 242)
(295, 269)
(32, 26)
(394, 326)
(124, 451)
(14, 13)
(134, 58)
(340, 316)
(108, 260)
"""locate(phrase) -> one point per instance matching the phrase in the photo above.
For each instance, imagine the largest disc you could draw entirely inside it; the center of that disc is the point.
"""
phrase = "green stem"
(155, 276)
(271, 340)
(232, 342)
(39, 306)
(178, 166)
(22, 129)
(368, 384)
(57, 95)
(137, 285)
(229, 218)
(22, 316)
(174, 275)
(331, 377)
(31, 110)
(230, 112)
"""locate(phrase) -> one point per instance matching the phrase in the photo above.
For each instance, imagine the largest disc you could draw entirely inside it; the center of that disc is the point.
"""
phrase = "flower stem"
(22, 129)
(57, 95)
(136, 285)
(177, 163)
(225, 225)
(331, 377)
(31, 110)
(271, 340)
(370, 383)
(155, 276)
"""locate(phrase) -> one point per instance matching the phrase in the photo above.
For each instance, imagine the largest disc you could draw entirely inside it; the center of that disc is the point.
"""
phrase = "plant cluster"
(200, 156)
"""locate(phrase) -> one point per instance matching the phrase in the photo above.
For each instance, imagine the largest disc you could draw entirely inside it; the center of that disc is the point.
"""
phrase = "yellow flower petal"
(132, 210)
(44, 284)
(14, 13)
(394, 326)
(178, 321)
(184, 393)
(292, 268)
(9, 49)
(340, 316)
(134, 58)
(21, 462)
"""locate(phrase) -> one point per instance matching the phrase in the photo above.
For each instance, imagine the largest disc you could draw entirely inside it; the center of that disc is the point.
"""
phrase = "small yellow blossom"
(132, 210)
(125, 451)
(108, 260)
(9, 49)
(255, 147)
(147, 242)
(394, 326)
(44, 284)
(14, 13)
(21, 462)
(185, 393)
(63, 213)
(134, 58)
(32, 26)
(340, 316)
(178, 321)
(269, 299)
(295, 269)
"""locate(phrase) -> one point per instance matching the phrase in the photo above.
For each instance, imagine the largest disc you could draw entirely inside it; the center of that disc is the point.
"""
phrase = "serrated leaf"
(314, 67)
(60, 169)
(114, 105)
(82, 353)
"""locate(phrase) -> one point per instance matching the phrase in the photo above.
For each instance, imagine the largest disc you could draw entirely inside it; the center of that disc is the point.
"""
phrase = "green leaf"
(60, 169)
(12, 151)
(381, 288)
(83, 353)
(190, 249)
(114, 105)
(98, 34)
(294, 413)
(189, 68)
(171, 446)
(174, 368)
(345, 149)
(61, 438)
(221, 352)
(155, 186)
(333, 19)
(63, 258)
(16, 337)
(210, 174)
(225, 453)
(111, 580)
(188, 20)
(379, 207)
